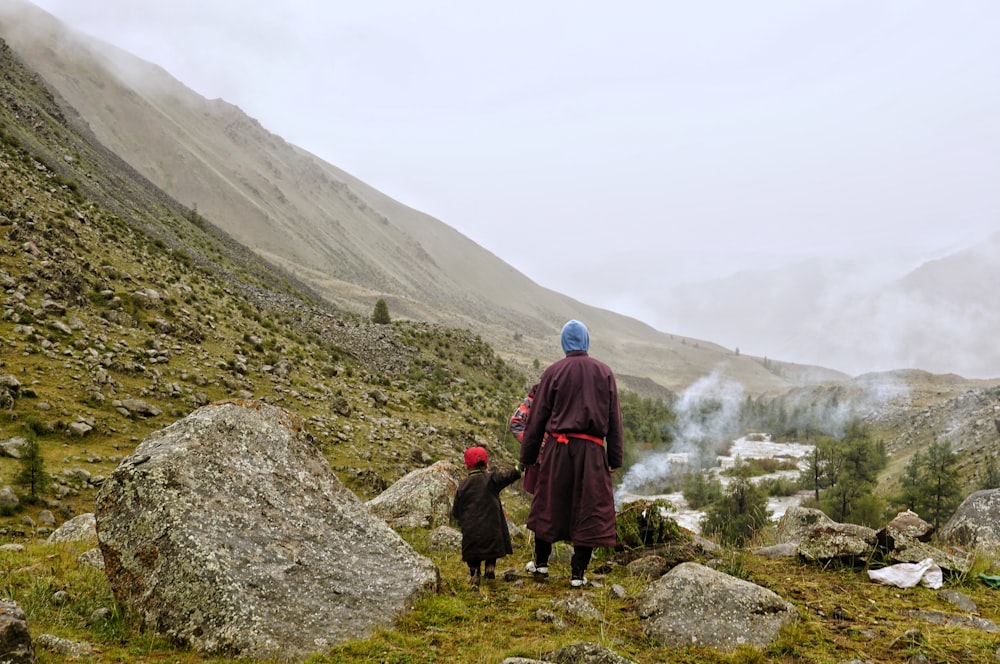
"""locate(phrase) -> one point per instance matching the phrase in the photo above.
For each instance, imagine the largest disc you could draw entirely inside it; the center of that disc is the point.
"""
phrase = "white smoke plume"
(707, 421)
(831, 410)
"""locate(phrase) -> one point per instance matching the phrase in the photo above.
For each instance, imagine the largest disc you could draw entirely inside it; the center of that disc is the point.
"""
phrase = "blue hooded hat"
(575, 336)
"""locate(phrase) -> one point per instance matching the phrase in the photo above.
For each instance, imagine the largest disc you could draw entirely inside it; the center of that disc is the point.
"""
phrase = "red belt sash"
(564, 437)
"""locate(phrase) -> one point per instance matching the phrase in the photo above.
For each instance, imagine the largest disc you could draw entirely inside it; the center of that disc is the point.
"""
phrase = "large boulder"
(696, 605)
(976, 522)
(420, 499)
(227, 531)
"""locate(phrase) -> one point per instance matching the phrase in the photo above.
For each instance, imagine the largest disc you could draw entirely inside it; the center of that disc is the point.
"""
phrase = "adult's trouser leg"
(542, 552)
(581, 559)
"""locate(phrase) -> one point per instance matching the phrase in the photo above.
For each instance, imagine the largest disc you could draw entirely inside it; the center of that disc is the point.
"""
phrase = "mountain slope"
(122, 312)
(940, 316)
(351, 243)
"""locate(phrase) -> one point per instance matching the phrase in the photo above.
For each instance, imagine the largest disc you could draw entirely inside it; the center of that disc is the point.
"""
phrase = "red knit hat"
(476, 456)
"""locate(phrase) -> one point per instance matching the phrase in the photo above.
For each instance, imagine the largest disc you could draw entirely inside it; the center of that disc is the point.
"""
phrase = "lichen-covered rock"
(73, 649)
(227, 531)
(694, 605)
(585, 653)
(80, 528)
(798, 521)
(976, 522)
(838, 541)
(914, 552)
(15, 637)
(420, 499)
(905, 529)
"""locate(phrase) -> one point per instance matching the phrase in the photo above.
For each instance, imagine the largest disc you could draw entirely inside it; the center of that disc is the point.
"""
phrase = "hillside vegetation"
(123, 311)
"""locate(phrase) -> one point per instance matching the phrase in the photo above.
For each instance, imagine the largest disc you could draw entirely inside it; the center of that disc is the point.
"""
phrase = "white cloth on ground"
(907, 575)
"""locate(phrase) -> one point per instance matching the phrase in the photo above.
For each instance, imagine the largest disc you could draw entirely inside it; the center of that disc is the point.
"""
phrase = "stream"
(751, 446)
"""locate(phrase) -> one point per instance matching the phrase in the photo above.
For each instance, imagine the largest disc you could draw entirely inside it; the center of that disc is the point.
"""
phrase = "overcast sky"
(609, 151)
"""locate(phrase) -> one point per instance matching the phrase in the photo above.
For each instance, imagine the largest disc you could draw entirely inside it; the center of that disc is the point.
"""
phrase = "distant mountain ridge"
(940, 316)
(349, 242)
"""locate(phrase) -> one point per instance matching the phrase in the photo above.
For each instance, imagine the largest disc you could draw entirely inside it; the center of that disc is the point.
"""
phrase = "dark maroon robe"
(574, 499)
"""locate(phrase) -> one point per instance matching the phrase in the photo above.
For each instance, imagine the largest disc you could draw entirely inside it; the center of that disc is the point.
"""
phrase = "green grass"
(843, 615)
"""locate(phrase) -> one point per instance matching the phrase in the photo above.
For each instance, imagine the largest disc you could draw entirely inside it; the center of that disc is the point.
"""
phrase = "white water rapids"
(753, 446)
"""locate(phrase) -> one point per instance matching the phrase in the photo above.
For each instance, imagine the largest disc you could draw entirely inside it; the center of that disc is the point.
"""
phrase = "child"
(477, 508)
(517, 423)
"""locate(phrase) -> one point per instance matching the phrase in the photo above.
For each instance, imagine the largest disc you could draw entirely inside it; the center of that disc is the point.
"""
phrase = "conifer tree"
(381, 314)
(858, 465)
(930, 483)
(32, 475)
(990, 478)
(739, 515)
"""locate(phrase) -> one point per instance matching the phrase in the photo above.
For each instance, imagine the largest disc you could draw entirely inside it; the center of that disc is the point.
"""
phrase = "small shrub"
(645, 524)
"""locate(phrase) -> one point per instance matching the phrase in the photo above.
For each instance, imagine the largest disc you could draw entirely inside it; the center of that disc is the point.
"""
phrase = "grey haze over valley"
(808, 185)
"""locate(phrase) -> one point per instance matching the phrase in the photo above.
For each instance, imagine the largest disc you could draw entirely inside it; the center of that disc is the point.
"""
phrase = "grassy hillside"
(124, 311)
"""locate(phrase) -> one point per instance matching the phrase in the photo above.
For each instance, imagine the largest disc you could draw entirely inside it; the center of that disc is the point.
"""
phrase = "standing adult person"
(575, 413)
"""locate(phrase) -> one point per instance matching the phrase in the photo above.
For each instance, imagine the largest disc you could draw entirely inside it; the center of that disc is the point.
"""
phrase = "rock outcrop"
(228, 532)
(695, 605)
(976, 522)
(421, 499)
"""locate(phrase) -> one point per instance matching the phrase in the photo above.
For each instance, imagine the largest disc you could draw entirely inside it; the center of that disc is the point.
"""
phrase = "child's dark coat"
(477, 509)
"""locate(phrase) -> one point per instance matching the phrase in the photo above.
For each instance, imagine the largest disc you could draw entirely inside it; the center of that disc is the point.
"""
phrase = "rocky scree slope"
(122, 311)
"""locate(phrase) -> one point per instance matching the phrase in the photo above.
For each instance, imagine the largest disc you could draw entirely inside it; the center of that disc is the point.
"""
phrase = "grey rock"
(906, 528)
(10, 383)
(959, 600)
(446, 537)
(617, 591)
(976, 522)
(91, 557)
(8, 498)
(80, 528)
(551, 618)
(695, 605)
(140, 407)
(47, 518)
(99, 615)
(15, 637)
(914, 552)
(838, 541)
(586, 653)
(74, 649)
(651, 566)
(420, 499)
(779, 551)
(968, 622)
(577, 606)
(798, 521)
(228, 532)
(13, 447)
(80, 429)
